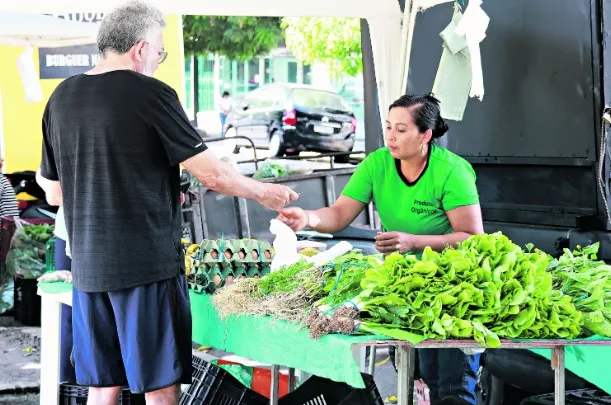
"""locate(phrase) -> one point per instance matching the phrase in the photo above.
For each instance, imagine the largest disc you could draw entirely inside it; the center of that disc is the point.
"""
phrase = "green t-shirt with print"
(419, 208)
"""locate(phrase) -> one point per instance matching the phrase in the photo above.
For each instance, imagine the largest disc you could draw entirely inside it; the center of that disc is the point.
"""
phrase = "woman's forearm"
(439, 242)
(326, 220)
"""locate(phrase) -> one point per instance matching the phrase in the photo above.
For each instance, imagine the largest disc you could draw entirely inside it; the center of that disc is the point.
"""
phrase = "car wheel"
(275, 144)
(490, 389)
(231, 144)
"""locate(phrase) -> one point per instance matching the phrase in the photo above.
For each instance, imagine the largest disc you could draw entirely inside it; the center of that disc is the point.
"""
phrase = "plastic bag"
(270, 170)
(28, 249)
(7, 295)
(285, 245)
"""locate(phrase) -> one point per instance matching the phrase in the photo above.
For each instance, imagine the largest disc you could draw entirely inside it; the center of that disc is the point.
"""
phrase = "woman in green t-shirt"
(425, 196)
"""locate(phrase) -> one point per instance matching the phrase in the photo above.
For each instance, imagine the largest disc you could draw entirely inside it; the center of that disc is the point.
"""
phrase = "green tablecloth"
(267, 340)
(276, 342)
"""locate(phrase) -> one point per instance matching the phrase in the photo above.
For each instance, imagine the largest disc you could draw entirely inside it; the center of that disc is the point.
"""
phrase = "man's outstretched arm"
(223, 178)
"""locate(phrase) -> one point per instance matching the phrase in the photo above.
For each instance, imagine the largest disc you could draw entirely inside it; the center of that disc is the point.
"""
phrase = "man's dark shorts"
(139, 336)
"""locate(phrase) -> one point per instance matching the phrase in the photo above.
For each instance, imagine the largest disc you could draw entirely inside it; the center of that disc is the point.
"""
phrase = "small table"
(50, 327)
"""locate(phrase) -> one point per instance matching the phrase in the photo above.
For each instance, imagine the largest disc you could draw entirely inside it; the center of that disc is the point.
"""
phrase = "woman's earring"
(423, 150)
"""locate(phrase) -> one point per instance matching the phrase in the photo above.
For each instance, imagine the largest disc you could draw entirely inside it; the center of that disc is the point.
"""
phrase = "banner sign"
(61, 63)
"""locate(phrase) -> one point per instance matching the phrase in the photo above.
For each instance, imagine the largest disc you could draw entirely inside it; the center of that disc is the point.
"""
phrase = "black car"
(288, 119)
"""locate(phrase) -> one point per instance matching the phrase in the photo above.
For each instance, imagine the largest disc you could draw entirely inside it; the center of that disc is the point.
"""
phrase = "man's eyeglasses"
(163, 55)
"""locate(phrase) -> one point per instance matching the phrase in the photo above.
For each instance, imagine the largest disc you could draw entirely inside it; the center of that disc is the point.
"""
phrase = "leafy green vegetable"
(338, 280)
(269, 170)
(342, 278)
(285, 279)
(588, 281)
(485, 289)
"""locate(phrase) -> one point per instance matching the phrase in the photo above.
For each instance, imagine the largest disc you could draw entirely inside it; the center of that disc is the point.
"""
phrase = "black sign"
(61, 63)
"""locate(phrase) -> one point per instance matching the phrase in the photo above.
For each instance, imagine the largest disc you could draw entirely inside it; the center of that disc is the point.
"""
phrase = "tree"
(238, 38)
(335, 42)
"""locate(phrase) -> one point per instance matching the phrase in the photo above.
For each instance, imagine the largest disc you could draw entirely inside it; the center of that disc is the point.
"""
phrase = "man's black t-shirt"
(115, 142)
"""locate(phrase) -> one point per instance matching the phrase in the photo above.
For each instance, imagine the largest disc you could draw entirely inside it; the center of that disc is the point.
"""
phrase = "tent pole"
(404, 53)
(373, 123)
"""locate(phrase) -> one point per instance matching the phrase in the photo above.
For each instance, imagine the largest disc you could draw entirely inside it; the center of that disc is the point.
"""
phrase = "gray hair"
(128, 24)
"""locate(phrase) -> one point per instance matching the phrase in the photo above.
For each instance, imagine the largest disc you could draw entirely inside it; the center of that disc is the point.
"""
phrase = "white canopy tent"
(391, 30)
(384, 17)
(38, 30)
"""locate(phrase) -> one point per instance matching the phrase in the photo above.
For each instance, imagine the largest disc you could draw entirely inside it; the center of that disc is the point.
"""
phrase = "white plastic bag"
(285, 245)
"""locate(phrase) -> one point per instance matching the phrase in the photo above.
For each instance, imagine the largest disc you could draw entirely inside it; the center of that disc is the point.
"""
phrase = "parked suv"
(290, 118)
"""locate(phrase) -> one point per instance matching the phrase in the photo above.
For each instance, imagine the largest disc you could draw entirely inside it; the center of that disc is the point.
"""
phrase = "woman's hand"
(388, 242)
(294, 217)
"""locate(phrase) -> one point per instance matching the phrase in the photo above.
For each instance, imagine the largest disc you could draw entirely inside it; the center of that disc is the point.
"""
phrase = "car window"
(271, 97)
(319, 99)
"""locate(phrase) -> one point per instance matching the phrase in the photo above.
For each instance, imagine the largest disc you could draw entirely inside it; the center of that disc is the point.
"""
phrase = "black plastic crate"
(214, 386)
(317, 390)
(26, 301)
(573, 397)
(70, 394)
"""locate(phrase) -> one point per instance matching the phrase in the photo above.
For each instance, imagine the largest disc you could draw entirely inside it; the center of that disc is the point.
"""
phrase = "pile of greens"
(332, 283)
(587, 280)
(28, 249)
(485, 289)
(285, 279)
(39, 233)
(290, 292)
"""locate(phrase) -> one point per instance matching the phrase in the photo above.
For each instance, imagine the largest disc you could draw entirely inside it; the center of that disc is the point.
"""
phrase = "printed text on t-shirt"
(423, 207)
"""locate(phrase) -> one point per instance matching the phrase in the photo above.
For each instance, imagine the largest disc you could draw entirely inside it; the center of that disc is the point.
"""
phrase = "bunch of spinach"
(332, 283)
(587, 280)
(343, 276)
(486, 288)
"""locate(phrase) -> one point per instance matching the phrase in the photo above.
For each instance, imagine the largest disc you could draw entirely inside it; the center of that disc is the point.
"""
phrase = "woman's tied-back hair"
(128, 24)
(425, 113)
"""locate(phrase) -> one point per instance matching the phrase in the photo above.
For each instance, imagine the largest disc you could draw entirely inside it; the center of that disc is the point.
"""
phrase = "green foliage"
(485, 289)
(587, 280)
(333, 41)
(238, 38)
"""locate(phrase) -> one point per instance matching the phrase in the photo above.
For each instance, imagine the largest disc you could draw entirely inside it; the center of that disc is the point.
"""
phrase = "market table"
(275, 342)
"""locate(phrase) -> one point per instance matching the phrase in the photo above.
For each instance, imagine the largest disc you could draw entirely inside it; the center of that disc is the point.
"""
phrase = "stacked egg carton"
(218, 262)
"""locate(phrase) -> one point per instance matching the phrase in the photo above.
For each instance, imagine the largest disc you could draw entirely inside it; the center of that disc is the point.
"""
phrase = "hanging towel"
(453, 79)
(473, 26)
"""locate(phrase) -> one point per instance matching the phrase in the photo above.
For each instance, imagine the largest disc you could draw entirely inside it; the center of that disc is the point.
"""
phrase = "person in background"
(425, 196)
(8, 200)
(114, 139)
(225, 107)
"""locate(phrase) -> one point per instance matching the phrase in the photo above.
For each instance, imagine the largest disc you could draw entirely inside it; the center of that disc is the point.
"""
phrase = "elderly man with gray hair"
(113, 141)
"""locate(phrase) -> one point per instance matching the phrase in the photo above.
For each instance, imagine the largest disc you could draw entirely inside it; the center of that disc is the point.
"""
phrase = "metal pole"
(374, 135)
(558, 367)
(291, 379)
(273, 398)
(406, 356)
(372, 360)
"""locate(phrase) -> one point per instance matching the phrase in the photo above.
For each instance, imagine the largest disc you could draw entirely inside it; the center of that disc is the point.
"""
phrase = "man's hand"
(388, 242)
(276, 196)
